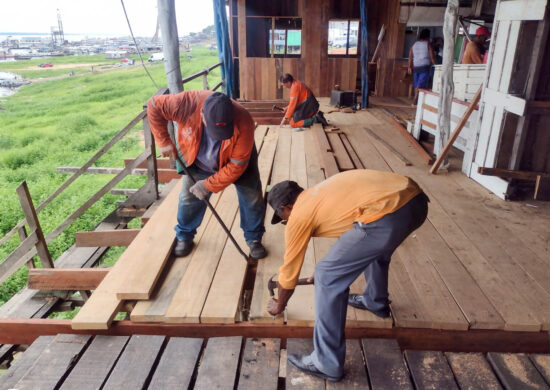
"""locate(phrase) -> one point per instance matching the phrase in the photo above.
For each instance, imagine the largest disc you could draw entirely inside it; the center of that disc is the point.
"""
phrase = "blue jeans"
(251, 203)
(363, 249)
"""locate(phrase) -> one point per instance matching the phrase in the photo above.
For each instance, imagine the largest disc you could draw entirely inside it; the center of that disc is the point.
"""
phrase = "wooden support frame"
(99, 238)
(66, 279)
(25, 331)
(511, 174)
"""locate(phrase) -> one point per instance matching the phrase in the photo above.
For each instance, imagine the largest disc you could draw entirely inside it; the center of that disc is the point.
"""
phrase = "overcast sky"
(100, 16)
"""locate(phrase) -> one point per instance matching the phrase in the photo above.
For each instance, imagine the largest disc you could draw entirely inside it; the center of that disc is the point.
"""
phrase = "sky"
(105, 17)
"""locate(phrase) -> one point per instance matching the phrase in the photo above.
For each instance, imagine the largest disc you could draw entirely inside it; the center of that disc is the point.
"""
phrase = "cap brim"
(219, 133)
(276, 219)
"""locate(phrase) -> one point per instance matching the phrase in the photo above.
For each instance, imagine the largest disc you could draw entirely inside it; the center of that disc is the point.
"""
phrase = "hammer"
(272, 284)
(275, 107)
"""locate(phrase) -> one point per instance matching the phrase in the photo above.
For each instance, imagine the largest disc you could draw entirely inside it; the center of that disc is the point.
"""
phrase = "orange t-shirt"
(331, 207)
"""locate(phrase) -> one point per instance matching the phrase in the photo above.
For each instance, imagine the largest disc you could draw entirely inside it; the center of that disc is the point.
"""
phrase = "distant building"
(115, 54)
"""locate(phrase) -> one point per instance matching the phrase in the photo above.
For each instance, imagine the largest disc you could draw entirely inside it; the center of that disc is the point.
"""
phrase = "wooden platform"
(156, 362)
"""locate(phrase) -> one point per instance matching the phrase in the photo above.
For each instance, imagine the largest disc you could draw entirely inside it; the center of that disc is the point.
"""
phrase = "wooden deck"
(156, 362)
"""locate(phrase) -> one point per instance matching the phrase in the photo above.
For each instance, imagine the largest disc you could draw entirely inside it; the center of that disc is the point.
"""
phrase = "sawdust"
(515, 365)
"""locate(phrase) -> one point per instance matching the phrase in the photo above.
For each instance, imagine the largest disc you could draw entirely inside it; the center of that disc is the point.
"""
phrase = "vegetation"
(63, 122)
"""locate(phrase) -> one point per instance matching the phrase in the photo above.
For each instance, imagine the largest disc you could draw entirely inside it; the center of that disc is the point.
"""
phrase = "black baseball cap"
(283, 193)
(218, 115)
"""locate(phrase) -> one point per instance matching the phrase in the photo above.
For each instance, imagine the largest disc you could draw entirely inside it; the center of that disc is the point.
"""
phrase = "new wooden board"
(340, 153)
(260, 364)
(177, 364)
(136, 362)
(218, 368)
(385, 365)
(472, 371)
(66, 279)
(516, 371)
(120, 237)
(430, 370)
(325, 151)
(96, 363)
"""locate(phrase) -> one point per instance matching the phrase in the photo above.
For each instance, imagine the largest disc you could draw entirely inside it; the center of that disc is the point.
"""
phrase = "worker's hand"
(311, 279)
(168, 151)
(199, 190)
(283, 122)
(409, 71)
(277, 306)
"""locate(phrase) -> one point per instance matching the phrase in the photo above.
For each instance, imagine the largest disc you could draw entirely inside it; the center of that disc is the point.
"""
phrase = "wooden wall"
(259, 76)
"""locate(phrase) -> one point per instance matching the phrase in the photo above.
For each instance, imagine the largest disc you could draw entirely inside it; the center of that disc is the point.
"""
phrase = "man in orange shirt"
(371, 213)
(303, 108)
(215, 138)
(473, 54)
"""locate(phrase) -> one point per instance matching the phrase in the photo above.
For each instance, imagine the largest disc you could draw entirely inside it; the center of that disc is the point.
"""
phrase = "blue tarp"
(224, 47)
(364, 56)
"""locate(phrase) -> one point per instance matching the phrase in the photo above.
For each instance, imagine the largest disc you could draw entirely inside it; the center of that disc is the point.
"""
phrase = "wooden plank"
(430, 370)
(325, 151)
(425, 155)
(218, 369)
(428, 124)
(190, 296)
(223, 299)
(21, 366)
(177, 364)
(95, 365)
(260, 364)
(352, 153)
(388, 146)
(66, 279)
(274, 233)
(98, 312)
(166, 188)
(343, 159)
(516, 371)
(121, 237)
(54, 362)
(542, 363)
(162, 163)
(512, 174)
(297, 379)
(385, 365)
(355, 376)
(472, 371)
(16, 259)
(429, 108)
(136, 362)
(521, 10)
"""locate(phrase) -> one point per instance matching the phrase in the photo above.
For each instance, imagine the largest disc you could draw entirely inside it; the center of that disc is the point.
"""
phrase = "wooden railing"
(204, 74)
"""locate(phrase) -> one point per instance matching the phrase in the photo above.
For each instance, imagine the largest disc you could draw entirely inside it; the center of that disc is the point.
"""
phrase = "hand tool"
(276, 107)
(272, 284)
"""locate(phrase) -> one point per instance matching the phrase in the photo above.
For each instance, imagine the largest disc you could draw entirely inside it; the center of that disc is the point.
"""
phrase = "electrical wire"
(137, 47)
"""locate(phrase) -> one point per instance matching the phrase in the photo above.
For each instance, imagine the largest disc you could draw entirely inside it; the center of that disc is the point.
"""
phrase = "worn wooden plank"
(327, 159)
(385, 365)
(351, 151)
(516, 371)
(260, 364)
(136, 362)
(177, 364)
(355, 376)
(96, 363)
(22, 365)
(542, 363)
(472, 371)
(430, 370)
(121, 237)
(222, 303)
(343, 159)
(54, 362)
(297, 379)
(66, 279)
(218, 368)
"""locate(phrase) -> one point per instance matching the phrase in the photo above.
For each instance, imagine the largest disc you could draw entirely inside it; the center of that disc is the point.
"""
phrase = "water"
(8, 76)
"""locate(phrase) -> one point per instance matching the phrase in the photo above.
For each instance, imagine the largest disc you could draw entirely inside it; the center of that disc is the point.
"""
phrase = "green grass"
(63, 123)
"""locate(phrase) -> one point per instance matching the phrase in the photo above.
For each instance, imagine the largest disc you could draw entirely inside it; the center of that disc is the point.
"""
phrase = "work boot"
(257, 250)
(183, 247)
(356, 300)
(321, 118)
(304, 363)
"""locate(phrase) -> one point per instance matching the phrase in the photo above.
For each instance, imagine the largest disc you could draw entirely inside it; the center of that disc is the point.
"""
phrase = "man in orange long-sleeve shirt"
(371, 213)
(303, 108)
(215, 136)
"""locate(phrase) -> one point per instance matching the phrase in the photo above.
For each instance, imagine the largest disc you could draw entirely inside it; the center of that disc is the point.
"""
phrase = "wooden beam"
(326, 155)
(511, 174)
(389, 147)
(119, 237)
(164, 175)
(425, 155)
(459, 126)
(542, 188)
(428, 124)
(66, 279)
(162, 163)
(25, 331)
(429, 108)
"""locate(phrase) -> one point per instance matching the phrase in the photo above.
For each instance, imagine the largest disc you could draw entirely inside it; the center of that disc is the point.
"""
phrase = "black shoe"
(298, 362)
(321, 118)
(257, 250)
(356, 301)
(183, 248)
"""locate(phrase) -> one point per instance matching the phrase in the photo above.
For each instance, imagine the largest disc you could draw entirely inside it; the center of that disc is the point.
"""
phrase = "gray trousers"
(363, 249)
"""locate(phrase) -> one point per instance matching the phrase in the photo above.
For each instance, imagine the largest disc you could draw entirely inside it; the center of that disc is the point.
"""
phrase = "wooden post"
(152, 173)
(169, 31)
(205, 79)
(22, 236)
(34, 224)
(447, 85)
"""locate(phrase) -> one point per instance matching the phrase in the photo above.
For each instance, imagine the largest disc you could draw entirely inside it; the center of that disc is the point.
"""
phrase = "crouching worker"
(215, 138)
(371, 213)
(303, 108)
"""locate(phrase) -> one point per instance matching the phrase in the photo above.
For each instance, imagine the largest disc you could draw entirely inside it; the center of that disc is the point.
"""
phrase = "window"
(273, 37)
(343, 37)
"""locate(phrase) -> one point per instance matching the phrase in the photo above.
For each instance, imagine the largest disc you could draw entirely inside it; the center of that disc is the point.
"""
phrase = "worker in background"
(475, 49)
(421, 59)
(303, 108)
(215, 138)
(371, 213)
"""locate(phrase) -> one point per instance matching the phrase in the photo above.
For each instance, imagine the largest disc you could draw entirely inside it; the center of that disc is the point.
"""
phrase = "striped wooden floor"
(155, 362)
